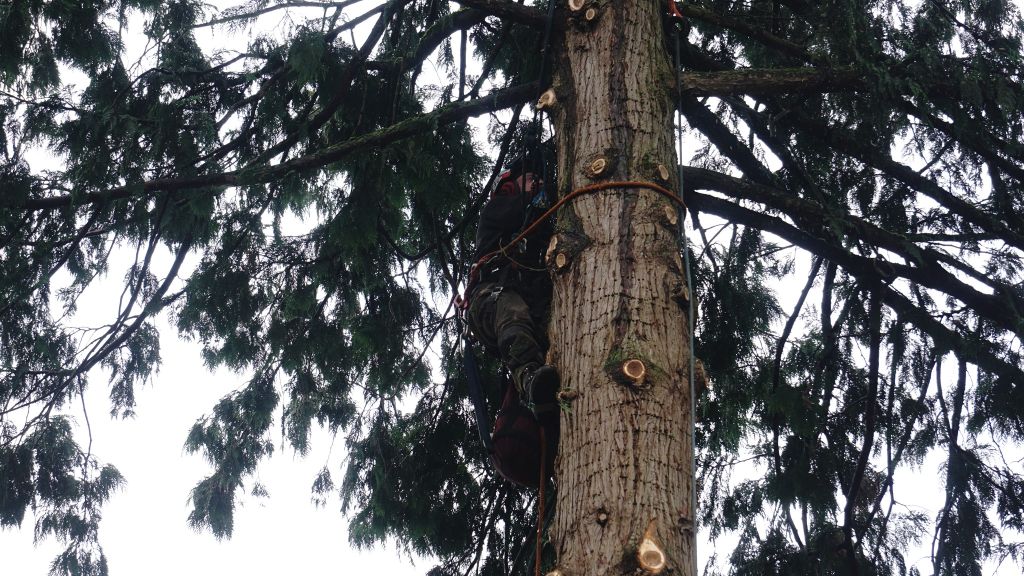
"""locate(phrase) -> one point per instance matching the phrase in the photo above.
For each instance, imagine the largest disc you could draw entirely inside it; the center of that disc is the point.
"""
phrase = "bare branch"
(274, 7)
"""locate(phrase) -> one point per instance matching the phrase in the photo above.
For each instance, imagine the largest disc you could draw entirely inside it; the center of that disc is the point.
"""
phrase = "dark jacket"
(507, 212)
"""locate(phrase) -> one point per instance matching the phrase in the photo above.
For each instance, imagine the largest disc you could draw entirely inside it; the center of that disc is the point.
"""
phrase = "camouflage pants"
(505, 324)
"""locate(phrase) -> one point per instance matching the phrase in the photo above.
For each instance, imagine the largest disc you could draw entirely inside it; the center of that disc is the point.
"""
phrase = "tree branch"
(454, 112)
(772, 81)
(781, 44)
(273, 8)
(998, 307)
(845, 142)
(513, 12)
(979, 353)
(870, 418)
(309, 129)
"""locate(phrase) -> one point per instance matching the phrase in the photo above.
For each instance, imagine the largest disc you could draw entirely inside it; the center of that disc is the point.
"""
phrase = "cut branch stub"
(562, 250)
(681, 294)
(556, 259)
(547, 99)
(590, 14)
(552, 248)
(597, 167)
(567, 395)
(671, 215)
(601, 516)
(577, 5)
(649, 555)
(663, 173)
(634, 371)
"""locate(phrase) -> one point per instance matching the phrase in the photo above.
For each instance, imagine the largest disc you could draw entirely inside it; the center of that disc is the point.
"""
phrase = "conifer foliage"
(300, 203)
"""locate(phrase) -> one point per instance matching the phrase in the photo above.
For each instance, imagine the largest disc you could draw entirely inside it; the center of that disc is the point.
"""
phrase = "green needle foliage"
(301, 201)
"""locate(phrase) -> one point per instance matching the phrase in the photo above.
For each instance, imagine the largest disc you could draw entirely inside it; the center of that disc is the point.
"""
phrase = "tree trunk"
(624, 465)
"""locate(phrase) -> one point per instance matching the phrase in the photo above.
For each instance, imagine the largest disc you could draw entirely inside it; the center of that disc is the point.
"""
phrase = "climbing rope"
(677, 17)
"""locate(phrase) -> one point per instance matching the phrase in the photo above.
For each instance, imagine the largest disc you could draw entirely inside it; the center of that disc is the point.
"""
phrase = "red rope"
(673, 11)
(474, 272)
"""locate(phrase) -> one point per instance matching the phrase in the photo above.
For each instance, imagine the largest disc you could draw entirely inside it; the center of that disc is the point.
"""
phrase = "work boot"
(538, 385)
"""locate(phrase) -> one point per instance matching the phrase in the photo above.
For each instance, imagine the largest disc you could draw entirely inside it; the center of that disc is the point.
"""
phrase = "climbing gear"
(481, 264)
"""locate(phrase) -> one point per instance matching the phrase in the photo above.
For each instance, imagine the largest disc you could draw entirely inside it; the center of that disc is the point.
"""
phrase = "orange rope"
(475, 271)
(673, 10)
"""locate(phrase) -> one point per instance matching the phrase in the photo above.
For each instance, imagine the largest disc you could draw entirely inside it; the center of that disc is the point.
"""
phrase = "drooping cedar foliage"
(876, 144)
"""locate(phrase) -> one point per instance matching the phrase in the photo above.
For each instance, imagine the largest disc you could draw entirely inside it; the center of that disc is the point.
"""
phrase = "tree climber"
(510, 290)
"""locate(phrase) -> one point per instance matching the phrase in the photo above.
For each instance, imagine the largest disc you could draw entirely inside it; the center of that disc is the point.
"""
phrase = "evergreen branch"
(727, 143)
(771, 81)
(431, 39)
(310, 128)
(996, 44)
(928, 271)
(280, 73)
(941, 541)
(513, 12)
(870, 420)
(843, 141)
(982, 354)
(462, 64)
(474, 207)
(781, 44)
(454, 112)
(779, 147)
(776, 381)
(800, 7)
(488, 64)
(900, 448)
(964, 135)
(268, 9)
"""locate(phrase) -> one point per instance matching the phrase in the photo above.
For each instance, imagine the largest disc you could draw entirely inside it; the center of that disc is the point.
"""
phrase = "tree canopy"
(302, 203)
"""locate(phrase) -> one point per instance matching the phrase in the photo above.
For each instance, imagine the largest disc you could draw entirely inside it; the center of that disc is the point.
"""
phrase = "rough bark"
(624, 461)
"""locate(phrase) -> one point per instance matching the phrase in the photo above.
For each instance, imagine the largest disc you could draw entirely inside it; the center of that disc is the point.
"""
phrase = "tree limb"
(513, 12)
(980, 353)
(453, 112)
(998, 307)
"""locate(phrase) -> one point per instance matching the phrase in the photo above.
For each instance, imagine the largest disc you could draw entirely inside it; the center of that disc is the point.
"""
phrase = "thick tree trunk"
(624, 462)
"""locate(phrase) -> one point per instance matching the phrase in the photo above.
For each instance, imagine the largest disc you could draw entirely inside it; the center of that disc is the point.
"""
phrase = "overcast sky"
(144, 529)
